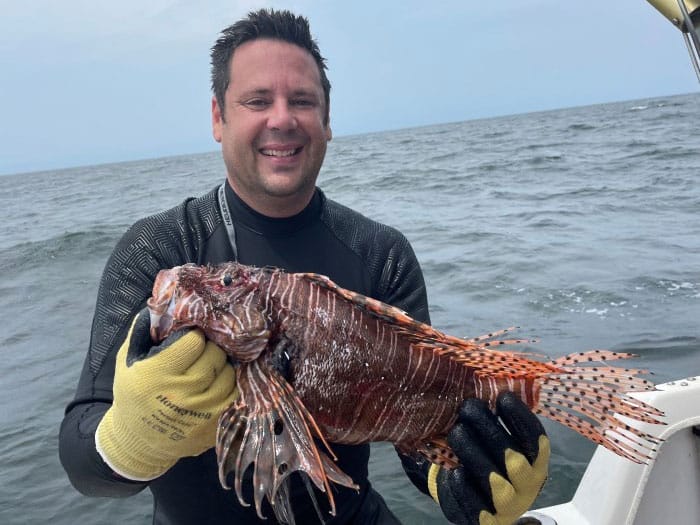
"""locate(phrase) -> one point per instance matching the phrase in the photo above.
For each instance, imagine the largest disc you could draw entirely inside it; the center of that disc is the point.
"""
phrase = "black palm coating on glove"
(141, 345)
(480, 440)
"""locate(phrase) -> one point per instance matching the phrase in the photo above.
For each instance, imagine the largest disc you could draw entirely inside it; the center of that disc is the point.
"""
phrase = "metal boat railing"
(685, 15)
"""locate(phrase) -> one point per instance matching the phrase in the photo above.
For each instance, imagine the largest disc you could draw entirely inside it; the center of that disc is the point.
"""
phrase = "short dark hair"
(264, 23)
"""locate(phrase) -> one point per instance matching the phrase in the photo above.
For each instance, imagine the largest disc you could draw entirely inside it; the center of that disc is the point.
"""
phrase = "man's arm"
(86, 470)
(402, 284)
(124, 287)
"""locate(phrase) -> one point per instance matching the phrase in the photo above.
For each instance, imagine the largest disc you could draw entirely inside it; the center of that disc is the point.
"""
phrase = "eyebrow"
(296, 93)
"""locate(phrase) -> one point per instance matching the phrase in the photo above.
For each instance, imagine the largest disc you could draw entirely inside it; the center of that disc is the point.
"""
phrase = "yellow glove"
(167, 401)
(503, 468)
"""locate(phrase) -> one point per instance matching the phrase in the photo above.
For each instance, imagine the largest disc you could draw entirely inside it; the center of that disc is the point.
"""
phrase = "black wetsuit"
(326, 238)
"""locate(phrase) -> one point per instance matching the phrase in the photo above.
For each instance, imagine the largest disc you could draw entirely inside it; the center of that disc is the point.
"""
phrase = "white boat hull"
(615, 491)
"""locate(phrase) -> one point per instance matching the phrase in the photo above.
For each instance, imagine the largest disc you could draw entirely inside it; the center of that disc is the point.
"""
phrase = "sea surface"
(581, 226)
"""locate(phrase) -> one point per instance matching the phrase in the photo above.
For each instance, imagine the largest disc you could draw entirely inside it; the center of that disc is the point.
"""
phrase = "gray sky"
(93, 81)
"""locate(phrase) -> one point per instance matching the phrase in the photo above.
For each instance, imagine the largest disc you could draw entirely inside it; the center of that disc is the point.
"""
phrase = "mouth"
(280, 153)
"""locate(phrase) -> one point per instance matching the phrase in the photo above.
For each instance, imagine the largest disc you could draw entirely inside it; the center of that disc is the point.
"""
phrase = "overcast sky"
(94, 81)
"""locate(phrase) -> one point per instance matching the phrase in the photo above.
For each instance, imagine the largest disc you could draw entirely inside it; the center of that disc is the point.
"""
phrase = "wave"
(540, 215)
(668, 359)
(581, 127)
(538, 160)
(668, 287)
(579, 300)
(16, 338)
(652, 104)
(673, 153)
(98, 242)
(630, 299)
(681, 344)
(498, 165)
(445, 157)
(496, 134)
(640, 144)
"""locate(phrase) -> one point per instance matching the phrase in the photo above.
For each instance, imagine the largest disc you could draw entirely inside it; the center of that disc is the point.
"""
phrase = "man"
(145, 415)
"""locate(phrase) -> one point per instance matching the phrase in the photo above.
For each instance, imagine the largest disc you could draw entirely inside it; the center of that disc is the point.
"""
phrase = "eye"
(303, 103)
(226, 280)
(256, 103)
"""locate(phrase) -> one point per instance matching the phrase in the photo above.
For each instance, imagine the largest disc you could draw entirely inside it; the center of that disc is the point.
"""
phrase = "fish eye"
(226, 280)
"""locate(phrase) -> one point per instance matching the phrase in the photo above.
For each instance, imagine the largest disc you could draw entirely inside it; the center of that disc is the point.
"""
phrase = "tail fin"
(591, 399)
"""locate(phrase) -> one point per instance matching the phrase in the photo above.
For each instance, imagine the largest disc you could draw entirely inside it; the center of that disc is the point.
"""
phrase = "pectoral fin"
(270, 428)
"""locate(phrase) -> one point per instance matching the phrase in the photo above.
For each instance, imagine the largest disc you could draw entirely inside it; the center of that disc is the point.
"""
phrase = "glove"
(167, 401)
(503, 468)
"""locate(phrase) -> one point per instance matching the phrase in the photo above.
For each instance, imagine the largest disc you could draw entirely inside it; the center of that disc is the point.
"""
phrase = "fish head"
(207, 297)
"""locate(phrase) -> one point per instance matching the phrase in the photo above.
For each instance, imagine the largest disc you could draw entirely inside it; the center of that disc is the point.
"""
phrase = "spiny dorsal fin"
(477, 352)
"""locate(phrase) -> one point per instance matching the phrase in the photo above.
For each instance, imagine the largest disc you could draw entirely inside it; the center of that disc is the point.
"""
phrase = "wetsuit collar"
(246, 217)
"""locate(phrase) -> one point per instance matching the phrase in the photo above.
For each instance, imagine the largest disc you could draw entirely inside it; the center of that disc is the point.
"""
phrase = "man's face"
(272, 134)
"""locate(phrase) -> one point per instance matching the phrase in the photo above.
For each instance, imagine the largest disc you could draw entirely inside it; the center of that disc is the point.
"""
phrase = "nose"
(281, 116)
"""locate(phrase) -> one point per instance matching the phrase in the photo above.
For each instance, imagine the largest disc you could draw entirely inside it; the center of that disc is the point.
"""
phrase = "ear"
(217, 120)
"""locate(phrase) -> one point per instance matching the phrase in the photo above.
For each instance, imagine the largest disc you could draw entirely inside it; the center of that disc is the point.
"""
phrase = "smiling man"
(145, 414)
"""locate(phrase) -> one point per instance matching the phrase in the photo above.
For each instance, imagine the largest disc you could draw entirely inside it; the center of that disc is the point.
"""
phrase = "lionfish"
(314, 360)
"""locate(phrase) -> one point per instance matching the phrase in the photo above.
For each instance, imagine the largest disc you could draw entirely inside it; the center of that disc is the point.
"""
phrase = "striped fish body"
(317, 361)
(361, 370)
(357, 374)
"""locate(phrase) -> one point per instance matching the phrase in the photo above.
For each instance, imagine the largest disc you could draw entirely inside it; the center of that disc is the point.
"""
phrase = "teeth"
(278, 153)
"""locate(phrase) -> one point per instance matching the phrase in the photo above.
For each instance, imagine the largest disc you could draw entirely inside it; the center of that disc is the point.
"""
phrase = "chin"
(288, 188)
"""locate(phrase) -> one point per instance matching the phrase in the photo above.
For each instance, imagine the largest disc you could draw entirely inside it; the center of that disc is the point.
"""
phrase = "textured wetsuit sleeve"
(152, 244)
(401, 283)
(86, 470)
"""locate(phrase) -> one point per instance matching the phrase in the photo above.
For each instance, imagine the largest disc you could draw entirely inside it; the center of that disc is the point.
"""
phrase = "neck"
(274, 207)
(251, 219)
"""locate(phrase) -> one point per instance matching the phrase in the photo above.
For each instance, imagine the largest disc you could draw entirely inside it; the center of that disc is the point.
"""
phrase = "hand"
(167, 401)
(503, 467)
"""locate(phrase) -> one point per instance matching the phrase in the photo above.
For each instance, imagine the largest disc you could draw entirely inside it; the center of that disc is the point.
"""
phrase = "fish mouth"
(162, 324)
(161, 304)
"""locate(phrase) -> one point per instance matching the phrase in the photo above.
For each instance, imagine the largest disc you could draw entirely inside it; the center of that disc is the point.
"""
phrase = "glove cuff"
(432, 482)
(126, 454)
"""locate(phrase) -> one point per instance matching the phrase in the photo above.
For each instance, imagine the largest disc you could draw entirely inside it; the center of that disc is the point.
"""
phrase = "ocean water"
(581, 226)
